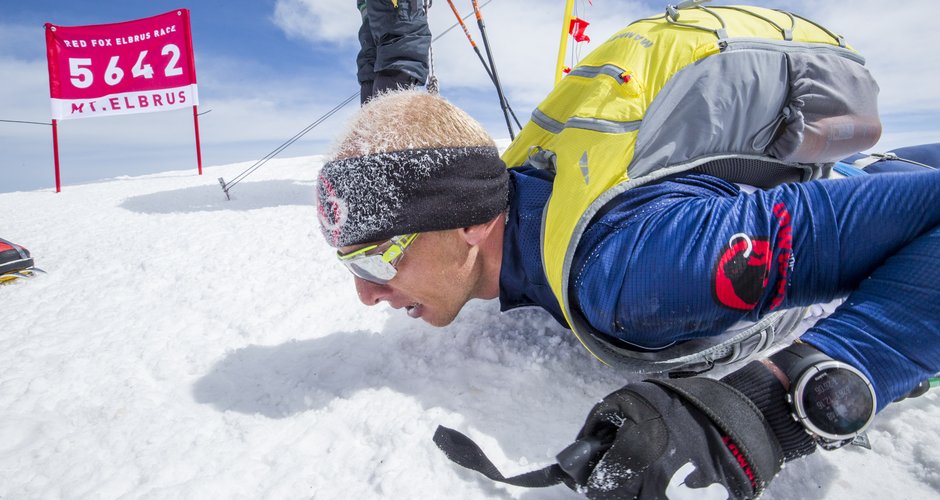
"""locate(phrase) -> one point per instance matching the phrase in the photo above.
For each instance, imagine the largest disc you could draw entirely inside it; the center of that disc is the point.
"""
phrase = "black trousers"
(394, 45)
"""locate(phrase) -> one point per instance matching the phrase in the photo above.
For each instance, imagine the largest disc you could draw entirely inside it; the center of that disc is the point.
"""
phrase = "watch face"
(836, 401)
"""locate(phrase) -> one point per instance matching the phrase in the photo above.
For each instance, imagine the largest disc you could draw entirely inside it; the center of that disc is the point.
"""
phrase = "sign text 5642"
(82, 76)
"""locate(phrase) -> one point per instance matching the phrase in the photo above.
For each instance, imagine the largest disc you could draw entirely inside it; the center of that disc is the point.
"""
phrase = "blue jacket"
(692, 254)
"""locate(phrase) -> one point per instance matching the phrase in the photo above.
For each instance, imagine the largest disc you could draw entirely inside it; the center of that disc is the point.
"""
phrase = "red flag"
(138, 66)
(578, 28)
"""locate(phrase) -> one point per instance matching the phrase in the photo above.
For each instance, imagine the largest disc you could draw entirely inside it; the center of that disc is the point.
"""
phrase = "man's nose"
(371, 293)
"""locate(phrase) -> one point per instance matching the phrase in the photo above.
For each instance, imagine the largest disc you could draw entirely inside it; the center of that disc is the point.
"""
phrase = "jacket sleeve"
(690, 257)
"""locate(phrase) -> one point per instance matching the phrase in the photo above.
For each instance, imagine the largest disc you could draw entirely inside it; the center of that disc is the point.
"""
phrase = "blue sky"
(267, 68)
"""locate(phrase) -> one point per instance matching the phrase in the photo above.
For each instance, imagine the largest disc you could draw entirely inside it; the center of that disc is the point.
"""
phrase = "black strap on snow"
(464, 452)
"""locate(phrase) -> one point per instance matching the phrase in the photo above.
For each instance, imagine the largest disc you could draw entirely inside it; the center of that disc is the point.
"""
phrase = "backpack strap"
(873, 158)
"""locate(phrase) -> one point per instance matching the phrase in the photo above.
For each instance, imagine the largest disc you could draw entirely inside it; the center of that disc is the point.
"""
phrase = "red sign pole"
(196, 128)
(184, 13)
(55, 154)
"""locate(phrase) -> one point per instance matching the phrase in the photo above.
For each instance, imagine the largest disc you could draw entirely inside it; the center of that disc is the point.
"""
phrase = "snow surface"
(185, 346)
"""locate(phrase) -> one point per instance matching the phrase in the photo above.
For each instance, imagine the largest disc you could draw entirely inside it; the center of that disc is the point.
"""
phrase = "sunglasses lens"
(372, 268)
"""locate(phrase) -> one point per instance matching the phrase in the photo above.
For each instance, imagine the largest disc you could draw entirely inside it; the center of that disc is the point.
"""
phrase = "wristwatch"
(833, 401)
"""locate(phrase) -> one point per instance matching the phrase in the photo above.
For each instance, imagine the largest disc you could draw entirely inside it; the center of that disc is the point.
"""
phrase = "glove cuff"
(760, 385)
(736, 418)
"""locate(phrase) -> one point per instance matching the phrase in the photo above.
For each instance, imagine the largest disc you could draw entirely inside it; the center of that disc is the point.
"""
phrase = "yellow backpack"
(753, 95)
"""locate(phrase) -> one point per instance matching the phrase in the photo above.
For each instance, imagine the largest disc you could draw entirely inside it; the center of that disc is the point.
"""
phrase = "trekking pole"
(922, 388)
(563, 43)
(226, 186)
(476, 49)
(489, 55)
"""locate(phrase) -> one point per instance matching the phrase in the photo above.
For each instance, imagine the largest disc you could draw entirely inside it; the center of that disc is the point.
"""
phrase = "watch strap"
(796, 358)
(759, 384)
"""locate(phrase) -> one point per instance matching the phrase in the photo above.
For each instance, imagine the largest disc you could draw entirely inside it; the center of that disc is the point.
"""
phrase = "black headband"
(375, 197)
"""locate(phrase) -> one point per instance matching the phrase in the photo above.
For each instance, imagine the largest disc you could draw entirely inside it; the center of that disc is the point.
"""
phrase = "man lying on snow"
(426, 216)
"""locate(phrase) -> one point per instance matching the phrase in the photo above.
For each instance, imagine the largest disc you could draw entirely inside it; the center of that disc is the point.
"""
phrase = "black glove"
(696, 436)
(686, 438)
(703, 437)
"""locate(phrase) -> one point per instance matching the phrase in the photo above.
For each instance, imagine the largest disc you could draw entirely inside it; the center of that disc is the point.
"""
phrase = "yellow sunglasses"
(377, 263)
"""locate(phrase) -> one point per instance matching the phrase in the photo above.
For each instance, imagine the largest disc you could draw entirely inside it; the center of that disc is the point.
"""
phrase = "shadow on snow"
(247, 196)
(517, 377)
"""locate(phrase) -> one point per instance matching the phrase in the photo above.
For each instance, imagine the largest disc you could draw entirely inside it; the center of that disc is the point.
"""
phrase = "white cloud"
(335, 21)
(524, 36)
(251, 116)
(522, 43)
(898, 40)
(25, 93)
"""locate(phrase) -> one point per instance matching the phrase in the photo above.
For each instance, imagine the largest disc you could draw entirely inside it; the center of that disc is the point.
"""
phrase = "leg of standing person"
(365, 61)
(402, 39)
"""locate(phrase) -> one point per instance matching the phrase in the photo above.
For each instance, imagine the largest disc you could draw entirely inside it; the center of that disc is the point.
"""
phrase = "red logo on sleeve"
(743, 270)
(741, 273)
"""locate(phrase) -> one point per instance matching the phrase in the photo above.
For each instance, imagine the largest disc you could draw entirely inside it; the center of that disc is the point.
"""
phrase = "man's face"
(437, 275)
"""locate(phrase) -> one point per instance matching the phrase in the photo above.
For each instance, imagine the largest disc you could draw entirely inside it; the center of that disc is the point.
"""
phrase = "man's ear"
(477, 234)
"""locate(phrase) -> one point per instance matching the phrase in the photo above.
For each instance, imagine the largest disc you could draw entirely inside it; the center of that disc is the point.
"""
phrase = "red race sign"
(137, 66)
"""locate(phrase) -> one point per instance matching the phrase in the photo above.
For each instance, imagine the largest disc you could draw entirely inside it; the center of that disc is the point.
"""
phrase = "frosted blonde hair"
(409, 119)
